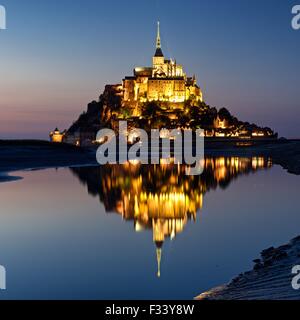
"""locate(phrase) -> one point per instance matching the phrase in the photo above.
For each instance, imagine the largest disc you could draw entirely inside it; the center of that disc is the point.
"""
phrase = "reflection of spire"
(158, 256)
(124, 189)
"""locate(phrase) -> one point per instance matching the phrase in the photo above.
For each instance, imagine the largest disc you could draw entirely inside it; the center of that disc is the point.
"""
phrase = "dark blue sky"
(57, 55)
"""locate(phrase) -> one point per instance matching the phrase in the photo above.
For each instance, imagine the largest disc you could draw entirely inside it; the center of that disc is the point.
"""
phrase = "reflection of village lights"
(258, 162)
(164, 134)
(162, 198)
(220, 162)
(244, 144)
(236, 163)
(134, 162)
(167, 161)
(220, 173)
(139, 227)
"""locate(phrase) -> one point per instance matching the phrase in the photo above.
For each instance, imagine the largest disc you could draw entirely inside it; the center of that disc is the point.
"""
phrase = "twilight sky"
(56, 56)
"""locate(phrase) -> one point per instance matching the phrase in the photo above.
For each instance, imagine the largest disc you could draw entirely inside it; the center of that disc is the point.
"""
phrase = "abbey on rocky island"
(161, 96)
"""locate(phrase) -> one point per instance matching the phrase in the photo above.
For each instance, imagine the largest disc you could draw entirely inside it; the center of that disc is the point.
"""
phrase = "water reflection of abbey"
(162, 197)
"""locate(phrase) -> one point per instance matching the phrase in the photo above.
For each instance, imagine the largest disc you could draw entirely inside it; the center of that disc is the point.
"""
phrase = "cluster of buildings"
(164, 82)
(222, 129)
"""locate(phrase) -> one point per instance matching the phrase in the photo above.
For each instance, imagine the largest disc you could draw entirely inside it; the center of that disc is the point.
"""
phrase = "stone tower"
(158, 59)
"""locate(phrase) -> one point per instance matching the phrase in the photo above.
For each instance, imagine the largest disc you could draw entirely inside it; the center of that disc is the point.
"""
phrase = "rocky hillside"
(108, 110)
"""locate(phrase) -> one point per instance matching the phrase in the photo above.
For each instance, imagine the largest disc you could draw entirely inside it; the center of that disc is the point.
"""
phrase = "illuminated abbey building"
(165, 81)
(156, 97)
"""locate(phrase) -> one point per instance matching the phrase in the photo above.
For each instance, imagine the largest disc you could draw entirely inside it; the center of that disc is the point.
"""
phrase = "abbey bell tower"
(158, 59)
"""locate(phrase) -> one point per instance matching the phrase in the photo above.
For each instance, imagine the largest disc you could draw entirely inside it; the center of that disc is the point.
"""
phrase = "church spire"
(158, 52)
(158, 41)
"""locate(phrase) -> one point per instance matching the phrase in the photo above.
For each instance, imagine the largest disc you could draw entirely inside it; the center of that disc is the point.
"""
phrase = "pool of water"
(141, 232)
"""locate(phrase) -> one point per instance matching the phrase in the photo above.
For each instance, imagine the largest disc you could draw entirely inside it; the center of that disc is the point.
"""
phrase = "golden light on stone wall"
(220, 123)
(258, 134)
(165, 81)
(56, 136)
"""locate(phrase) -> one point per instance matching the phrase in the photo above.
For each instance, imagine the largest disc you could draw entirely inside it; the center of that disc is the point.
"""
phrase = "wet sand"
(23, 155)
(270, 279)
(20, 155)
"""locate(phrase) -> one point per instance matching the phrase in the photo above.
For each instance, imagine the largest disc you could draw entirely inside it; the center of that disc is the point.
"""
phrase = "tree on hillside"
(224, 114)
(151, 109)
